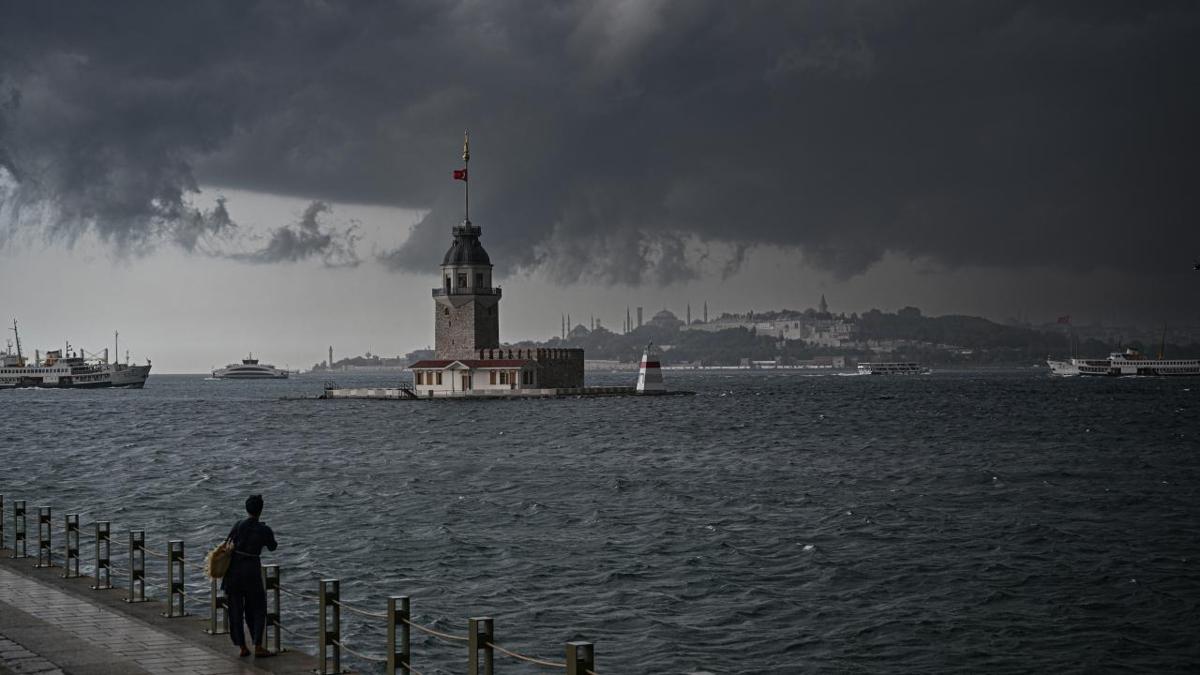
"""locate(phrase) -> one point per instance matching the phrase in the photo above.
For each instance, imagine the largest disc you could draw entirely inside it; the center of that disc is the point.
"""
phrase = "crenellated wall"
(555, 368)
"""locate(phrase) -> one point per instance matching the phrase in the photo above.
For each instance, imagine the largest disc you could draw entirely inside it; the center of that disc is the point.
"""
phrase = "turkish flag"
(460, 174)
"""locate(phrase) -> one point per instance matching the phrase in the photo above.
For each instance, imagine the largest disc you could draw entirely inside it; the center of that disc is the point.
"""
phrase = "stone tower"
(467, 307)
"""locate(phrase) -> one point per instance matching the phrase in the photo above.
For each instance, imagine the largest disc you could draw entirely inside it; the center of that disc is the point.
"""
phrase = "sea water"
(775, 522)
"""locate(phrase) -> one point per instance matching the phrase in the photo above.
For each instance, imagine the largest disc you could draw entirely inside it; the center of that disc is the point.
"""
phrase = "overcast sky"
(213, 178)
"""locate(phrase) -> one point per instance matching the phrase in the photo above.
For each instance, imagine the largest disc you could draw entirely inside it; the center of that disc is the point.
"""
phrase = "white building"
(444, 377)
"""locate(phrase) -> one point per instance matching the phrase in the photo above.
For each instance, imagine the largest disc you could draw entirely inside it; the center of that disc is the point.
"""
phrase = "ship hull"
(127, 377)
(1117, 366)
(906, 368)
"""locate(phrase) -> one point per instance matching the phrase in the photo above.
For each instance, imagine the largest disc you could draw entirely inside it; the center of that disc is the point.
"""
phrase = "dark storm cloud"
(618, 141)
(308, 239)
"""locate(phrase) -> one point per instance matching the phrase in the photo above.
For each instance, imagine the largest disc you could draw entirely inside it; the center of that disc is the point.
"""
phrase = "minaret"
(705, 311)
(689, 314)
(466, 307)
(331, 357)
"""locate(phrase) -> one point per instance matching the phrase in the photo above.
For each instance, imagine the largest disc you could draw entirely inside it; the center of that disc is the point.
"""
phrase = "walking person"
(243, 583)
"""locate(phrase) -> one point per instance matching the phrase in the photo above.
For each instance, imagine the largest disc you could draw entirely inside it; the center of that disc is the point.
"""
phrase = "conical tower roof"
(466, 249)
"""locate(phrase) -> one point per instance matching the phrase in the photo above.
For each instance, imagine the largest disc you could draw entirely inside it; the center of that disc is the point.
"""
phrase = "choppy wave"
(958, 522)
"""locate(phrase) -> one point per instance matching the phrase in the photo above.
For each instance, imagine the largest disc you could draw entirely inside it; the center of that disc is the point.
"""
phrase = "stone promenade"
(53, 625)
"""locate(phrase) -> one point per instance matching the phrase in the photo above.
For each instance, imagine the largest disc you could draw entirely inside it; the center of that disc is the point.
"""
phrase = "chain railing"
(479, 640)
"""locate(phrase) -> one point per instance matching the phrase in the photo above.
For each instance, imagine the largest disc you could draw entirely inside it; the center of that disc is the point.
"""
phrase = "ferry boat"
(1129, 362)
(250, 369)
(67, 369)
(892, 368)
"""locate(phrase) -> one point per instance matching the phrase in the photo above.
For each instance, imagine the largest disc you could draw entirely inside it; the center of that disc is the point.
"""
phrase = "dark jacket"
(249, 538)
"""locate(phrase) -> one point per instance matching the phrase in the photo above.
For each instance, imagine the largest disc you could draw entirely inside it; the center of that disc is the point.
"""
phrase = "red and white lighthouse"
(650, 379)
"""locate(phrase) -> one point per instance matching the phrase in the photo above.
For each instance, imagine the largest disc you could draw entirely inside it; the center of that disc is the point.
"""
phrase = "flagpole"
(467, 174)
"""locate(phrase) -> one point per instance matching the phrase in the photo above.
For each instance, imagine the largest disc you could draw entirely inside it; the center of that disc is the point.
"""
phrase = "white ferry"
(67, 369)
(1129, 362)
(250, 369)
(892, 368)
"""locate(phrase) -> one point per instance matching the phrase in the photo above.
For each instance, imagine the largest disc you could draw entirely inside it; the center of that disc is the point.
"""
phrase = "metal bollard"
(581, 658)
(71, 545)
(399, 650)
(103, 551)
(217, 603)
(137, 566)
(479, 638)
(330, 633)
(20, 546)
(43, 550)
(274, 616)
(176, 591)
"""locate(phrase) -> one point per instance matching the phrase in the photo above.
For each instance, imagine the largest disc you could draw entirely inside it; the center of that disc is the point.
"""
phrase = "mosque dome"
(466, 249)
(665, 319)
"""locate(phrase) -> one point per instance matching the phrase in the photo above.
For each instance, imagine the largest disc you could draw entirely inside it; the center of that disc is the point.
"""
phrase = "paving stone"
(104, 632)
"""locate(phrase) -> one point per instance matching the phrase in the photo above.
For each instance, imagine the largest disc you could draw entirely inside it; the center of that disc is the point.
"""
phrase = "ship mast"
(20, 357)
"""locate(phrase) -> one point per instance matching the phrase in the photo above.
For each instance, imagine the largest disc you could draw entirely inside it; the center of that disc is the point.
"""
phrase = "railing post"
(479, 639)
(20, 546)
(581, 658)
(71, 545)
(103, 551)
(176, 590)
(330, 631)
(399, 651)
(274, 616)
(44, 552)
(137, 566)
(216, 603)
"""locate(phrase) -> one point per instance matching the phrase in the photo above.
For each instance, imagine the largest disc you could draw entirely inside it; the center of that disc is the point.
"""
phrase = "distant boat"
(250, 369)
(67, 369)
(1129, 362)
(892, 368)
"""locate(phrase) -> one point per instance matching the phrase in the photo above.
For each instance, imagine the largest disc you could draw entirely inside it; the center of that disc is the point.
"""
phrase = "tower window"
(462, 281)
(479, 280)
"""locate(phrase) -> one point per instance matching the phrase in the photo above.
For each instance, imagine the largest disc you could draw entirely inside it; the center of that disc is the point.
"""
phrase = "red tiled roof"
(471, 363)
